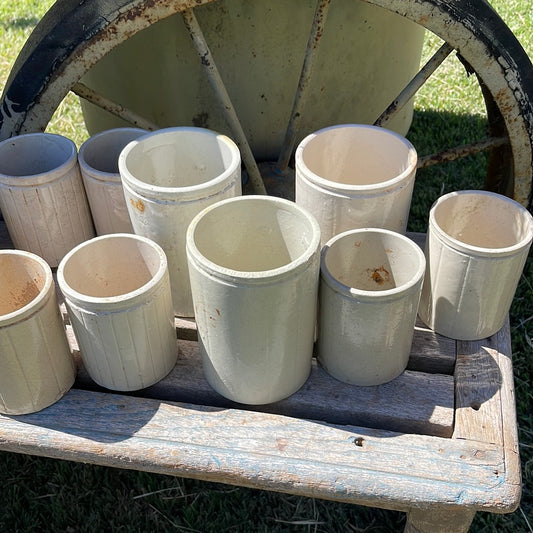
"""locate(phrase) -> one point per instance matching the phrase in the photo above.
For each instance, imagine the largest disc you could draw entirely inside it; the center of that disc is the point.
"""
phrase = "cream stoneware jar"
(353, 176)
(476, 248)
(42, 196)
(117, 293)
(253, 264)
(169, 176)
(370, 285)
(37, 365)
(98, 159)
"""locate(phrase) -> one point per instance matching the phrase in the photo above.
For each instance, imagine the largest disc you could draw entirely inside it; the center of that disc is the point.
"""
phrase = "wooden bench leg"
(438, 521)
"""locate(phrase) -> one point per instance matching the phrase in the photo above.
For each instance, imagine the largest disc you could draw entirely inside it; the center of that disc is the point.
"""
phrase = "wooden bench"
(439, 442)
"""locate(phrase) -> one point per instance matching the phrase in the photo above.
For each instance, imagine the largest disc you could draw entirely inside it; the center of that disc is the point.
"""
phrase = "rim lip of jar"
(47, 176)
(366, 295)
(36, 303)
(480, 250)
(83, 300)
(95, 173)
(383, 186)
(298, 264)
(232, 172)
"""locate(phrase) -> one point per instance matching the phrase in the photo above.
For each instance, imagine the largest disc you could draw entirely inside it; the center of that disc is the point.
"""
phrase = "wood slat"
(415, 402)
(5, 240)
(262, 450)
(430, 352)
(485, 400)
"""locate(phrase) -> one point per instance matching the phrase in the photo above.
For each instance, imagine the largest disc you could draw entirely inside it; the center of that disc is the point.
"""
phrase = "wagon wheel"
(73, 36)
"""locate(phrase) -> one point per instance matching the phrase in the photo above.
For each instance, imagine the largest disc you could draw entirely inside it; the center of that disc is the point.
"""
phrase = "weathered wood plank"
(485, 399)
(261, 450)
(430, 352)
(414, 402)
(5, 240)
(478, 382)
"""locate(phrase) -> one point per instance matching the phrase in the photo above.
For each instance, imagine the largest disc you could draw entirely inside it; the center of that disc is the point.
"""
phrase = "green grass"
(51, 495)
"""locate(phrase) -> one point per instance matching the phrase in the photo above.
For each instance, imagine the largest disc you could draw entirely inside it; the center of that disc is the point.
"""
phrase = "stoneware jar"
(476, 248)
(355, 176)
(169, 176)
(370, 285)
(117, 293)
(253, 263)
(42, 197)
(37, 365)
(98, 159)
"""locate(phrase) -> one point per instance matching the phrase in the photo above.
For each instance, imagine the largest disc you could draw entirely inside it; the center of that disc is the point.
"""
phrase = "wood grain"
(262, 450)
(415, 402)
(485, 402)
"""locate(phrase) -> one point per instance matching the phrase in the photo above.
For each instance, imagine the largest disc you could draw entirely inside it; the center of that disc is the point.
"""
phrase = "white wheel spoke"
(225, 102)
(317, 30)
(415, 84)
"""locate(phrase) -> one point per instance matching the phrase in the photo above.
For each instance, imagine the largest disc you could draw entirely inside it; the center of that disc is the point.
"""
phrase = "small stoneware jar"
(98, 159)
(476, 248)
(353, 176)
(36, 362)
(370, 285)
(169, 176)
(42, 197)
(117, 293)
(253, 263)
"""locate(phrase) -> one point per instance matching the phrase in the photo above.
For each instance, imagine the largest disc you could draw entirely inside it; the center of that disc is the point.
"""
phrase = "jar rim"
(46, 176)
(118, 300)
(368, 295)
(482, 251)
(35, 303)
(261, 276)
(378, 188)
(187, 192)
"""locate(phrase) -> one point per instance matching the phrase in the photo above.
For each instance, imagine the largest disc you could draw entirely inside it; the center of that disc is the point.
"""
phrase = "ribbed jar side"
(354, 176)
(37, 365)
(98, 159)
(476, 248)
(117, 292)
(42, 197)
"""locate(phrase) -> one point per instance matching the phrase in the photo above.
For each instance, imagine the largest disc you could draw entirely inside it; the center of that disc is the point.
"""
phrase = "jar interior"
(482, 220)
(180, 159)
(369, 261)
(253, 235)
(111, 267)
(21, 281)
(102, 152)
(33, 154)
(357, 156)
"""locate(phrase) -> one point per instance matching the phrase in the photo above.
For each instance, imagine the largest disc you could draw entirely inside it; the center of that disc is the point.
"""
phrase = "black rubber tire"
(75, 34)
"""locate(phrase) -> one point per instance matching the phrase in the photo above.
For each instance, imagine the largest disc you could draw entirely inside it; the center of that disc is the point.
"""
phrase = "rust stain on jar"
(138, 204)
(379, 275)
